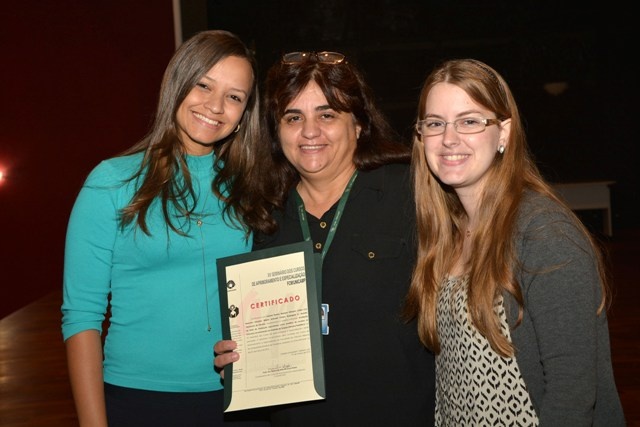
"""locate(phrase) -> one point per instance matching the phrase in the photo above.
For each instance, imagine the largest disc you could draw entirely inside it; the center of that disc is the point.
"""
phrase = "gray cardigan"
(562, 346)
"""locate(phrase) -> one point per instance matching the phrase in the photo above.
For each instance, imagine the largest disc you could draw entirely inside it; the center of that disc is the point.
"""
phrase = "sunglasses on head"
(322, 57)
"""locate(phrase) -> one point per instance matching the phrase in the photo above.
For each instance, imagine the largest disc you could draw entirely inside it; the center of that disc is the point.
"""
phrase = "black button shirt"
(376, 370)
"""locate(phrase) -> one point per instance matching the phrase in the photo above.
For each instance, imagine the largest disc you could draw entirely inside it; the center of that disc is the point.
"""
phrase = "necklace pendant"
(199, 223)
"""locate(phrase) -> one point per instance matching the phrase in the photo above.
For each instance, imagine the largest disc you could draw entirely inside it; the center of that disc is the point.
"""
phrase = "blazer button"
(372, 255)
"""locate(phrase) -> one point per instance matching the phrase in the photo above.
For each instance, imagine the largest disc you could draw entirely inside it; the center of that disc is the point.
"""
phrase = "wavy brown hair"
(239, 158)
(346, 91)
(441, 216)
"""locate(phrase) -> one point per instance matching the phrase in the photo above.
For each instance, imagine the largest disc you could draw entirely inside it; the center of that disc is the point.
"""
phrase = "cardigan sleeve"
(561, 289)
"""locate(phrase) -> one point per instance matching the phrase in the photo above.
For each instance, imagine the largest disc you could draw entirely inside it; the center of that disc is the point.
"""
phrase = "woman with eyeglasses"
(344, 183)
(509, 288)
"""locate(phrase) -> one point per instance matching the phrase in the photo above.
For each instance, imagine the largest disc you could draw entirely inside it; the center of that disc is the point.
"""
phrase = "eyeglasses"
(465, 125)
(323, 57)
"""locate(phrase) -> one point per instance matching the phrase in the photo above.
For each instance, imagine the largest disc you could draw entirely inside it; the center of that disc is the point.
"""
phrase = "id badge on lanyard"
(324, 318)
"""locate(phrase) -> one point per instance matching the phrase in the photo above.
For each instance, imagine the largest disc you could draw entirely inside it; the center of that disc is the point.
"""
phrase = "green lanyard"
(302, 215)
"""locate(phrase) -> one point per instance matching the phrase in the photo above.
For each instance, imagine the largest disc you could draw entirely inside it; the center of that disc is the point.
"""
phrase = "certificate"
(270, 308)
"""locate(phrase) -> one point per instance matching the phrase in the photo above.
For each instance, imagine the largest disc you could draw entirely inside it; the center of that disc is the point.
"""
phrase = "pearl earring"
(501, 149)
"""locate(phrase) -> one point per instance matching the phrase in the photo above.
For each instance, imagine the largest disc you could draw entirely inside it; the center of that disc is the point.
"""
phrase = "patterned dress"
(474, 385)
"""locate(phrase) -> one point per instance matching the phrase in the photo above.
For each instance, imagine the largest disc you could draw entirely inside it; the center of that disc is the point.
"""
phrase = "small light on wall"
(555, 88)
(7, 173)
(4, 176)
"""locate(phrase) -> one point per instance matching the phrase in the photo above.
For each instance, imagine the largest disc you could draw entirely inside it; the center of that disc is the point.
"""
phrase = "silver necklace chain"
(204, 273)
(199, 222)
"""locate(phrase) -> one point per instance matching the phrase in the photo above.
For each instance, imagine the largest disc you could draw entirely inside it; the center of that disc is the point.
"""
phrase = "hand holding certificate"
(272, 313)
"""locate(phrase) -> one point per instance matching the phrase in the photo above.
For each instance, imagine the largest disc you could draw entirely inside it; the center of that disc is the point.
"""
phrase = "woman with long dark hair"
(143, 238)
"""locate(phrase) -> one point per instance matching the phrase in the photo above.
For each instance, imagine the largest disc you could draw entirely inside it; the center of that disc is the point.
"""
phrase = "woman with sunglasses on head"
(513, 297)
(143, 238)
(344, 184)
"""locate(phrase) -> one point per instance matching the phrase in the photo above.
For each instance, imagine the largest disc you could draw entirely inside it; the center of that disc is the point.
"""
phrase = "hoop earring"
(237, 129)
(501, 149)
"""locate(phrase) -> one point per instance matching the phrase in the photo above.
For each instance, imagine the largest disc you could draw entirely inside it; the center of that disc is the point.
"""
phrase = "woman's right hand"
(224, 354)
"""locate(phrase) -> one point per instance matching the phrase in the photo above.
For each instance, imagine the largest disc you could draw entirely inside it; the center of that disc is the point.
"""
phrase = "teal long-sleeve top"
(163, 288)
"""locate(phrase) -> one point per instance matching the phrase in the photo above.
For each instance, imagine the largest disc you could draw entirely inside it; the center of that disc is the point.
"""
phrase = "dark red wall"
(78, 83)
